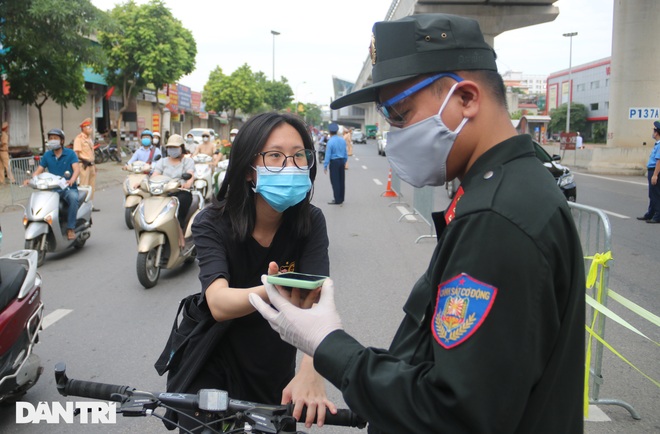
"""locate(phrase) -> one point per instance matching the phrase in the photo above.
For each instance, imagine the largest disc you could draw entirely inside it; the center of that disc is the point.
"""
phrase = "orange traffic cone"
(389, 192)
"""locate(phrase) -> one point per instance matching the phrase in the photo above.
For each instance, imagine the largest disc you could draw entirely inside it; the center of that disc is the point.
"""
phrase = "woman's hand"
(308, 388)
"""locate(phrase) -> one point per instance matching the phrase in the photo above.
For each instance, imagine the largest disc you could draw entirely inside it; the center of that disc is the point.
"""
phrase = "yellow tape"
(614, 317)
(596, 260)
(653, 319)
(609, 347)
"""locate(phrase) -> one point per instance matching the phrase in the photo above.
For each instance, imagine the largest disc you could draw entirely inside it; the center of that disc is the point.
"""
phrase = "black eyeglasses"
(275, 161)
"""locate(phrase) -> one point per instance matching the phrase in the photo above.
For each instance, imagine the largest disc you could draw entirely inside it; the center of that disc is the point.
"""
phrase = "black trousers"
(654, 198)
(337, 178)
(185, 200)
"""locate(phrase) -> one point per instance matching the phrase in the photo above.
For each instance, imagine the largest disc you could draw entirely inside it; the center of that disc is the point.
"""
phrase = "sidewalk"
(108, 174)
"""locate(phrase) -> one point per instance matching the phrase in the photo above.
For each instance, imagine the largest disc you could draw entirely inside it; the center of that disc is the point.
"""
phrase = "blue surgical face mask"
(146, 141)
(418, 153)
(284, 189)
(173, 152)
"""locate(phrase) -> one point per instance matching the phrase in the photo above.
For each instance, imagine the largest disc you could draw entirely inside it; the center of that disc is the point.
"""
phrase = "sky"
(321, 39)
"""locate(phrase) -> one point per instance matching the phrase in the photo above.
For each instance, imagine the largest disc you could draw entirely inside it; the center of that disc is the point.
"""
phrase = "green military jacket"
(493, 335)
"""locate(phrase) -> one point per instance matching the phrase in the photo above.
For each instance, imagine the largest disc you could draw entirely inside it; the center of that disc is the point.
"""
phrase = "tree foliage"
(278, 94)
(239, 91)
(46, 45)
(578, 121)
(145, 45)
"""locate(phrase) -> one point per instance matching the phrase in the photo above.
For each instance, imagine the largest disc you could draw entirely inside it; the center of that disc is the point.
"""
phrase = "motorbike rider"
(147, 152)
(156, 141)
(174, 166)
(59, 160)
(190, 145)
(206, 147)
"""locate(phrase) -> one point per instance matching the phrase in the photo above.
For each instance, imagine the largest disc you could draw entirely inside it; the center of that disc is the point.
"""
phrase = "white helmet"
(234, 131)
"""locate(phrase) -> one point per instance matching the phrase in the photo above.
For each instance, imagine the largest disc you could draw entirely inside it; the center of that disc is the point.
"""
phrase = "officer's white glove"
(302, 328)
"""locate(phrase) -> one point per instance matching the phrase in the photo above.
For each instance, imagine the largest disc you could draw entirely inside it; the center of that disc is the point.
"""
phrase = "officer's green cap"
(421, 44)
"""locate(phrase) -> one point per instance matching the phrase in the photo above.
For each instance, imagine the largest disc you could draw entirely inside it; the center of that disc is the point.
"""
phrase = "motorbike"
(321, 151)
(219, 175)
(133, 194)
(21, 317)
(45, 216)
(221, 413)
(203, 175)
(157, 228)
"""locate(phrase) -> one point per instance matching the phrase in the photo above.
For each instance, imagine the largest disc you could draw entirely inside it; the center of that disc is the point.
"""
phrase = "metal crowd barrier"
(423, 207)
(19, 168)
(396, 187)
(595, 233)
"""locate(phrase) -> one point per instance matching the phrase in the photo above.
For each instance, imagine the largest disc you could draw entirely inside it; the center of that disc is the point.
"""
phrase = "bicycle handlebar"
(183, 401)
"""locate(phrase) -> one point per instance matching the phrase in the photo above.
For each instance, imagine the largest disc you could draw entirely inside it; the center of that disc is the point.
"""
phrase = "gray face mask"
(418, 153)
(53, 145)
(173, 152)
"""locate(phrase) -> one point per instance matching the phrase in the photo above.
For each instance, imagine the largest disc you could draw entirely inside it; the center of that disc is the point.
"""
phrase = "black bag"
(191, 342)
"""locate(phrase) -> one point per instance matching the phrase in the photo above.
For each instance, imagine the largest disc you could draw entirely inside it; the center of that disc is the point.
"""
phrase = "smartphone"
(297, 280)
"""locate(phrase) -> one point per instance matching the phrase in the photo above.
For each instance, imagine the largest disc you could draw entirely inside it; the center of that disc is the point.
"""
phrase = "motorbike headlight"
(566, 179)
(41, 184)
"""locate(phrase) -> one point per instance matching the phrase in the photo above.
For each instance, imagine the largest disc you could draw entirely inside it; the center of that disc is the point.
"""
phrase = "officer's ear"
(471, 97)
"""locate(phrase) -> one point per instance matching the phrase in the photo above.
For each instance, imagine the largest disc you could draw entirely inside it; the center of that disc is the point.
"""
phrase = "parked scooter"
(133, 194)
(203, 175)
(45, 216)
(21, 316)
(157, 228)
(219, 175)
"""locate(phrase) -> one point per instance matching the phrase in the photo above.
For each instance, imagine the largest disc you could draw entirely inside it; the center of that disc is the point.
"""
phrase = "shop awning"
(93, 77)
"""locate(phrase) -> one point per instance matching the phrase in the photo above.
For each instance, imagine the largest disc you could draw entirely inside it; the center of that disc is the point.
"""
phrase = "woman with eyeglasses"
(262, 222)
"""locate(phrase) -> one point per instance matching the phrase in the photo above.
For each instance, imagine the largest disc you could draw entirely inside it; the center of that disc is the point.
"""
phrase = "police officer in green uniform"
(493, 335)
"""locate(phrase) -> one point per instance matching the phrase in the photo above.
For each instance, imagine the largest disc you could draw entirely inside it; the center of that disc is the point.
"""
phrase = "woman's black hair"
(236, 197)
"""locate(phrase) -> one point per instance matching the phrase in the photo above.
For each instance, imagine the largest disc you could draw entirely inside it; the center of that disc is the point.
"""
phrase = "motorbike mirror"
(157, 157)
(186, 176)
(67, 174)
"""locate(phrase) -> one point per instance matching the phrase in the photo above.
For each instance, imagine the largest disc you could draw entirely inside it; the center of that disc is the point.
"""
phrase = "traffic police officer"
(493, 334)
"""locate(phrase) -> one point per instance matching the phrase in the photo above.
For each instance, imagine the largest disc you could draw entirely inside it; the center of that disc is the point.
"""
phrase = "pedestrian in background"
(652, 214)
(83, 146)
(492, 339)
(336, 158)
(578, 141)
(4, 154)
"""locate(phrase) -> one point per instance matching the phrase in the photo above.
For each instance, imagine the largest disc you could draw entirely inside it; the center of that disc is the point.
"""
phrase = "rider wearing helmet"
(156, 140)
(147, 152)
(59, 160)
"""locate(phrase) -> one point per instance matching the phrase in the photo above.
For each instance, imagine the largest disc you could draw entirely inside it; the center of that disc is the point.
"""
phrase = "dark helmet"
(56, 132)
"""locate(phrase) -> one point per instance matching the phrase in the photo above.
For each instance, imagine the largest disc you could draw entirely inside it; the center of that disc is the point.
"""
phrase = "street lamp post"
(570, 82)
(274, 33)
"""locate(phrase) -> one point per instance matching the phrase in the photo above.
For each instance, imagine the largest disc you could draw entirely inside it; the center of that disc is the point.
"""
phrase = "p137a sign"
(643, 113)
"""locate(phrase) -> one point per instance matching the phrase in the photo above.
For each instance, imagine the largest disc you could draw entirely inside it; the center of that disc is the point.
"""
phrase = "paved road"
(112, 329)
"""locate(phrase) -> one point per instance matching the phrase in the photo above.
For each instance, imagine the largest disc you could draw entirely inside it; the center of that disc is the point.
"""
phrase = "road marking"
(377, 181)
(54, 316)
(406, 214)
(597, 415)
(645, 184)
(356, 158)
(364, 167)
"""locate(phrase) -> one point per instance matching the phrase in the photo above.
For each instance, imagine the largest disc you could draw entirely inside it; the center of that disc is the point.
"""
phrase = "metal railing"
(595, 233)
(20, 167)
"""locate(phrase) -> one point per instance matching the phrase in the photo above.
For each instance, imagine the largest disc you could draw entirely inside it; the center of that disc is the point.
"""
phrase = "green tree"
(238, 91)
(145, 46)
(313, 115)
(46, 45)
(578, 118)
